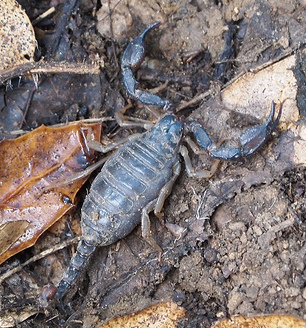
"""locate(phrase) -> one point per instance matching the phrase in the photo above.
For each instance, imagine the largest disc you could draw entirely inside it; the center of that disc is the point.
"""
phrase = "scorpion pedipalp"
(132, 57)
(250, 140)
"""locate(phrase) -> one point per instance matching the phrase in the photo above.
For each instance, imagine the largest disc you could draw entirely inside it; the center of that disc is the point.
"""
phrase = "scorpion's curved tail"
(77, 265)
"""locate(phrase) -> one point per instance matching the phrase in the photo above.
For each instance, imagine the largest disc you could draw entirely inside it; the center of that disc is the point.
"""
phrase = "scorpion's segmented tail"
(77, 265)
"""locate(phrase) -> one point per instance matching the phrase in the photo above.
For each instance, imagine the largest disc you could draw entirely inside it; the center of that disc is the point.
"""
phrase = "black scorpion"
(139, 176)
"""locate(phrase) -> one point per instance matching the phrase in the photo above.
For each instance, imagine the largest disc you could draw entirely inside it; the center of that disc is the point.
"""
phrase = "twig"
(43, 67)
(194, 100)
(38, 257)
(43, 15)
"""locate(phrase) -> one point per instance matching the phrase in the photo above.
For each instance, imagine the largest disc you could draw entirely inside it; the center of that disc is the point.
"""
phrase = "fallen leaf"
(17, 38)
(161, 315)
(32, 166)
(10, 232)
(268, 321)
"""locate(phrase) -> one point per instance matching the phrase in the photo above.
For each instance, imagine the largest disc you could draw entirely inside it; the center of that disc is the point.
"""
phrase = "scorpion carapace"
(139, 176)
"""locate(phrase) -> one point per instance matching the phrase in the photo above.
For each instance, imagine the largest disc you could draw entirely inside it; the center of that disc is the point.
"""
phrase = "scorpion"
(139, 176)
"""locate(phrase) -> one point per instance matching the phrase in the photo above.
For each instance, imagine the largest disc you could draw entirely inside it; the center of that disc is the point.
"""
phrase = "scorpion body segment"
(138, 177)
(130, 180)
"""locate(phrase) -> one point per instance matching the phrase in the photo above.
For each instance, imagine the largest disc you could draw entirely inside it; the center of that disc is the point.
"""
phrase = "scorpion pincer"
(138, 177)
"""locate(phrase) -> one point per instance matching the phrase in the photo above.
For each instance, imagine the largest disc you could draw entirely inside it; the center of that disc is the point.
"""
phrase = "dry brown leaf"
(17, 38)
(268, 321)
(10, 232)
(31, 165)
(161, 315)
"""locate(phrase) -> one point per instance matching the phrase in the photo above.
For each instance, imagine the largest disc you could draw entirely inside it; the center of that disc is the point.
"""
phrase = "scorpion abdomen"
(129, 180)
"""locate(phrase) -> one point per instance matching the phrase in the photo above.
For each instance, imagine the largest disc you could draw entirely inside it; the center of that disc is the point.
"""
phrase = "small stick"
(39, 256)
(43, 15)
(48, 68)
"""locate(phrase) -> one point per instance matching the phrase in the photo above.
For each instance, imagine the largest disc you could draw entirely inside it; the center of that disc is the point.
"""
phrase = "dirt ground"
(237, 241)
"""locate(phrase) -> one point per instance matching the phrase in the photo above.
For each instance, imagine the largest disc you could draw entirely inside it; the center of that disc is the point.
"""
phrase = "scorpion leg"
(157, 205)
(166, 190)
(250, 140)
(133, 57)
(125, 121)
(76, 176)
(146, 226)
(200, 174)
(95, 145)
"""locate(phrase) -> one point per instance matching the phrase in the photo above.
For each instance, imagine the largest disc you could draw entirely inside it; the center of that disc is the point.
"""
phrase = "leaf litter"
(31, 165)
